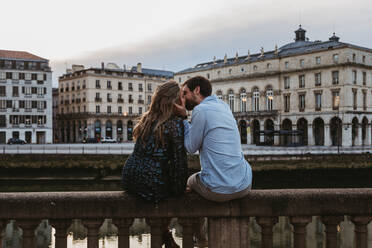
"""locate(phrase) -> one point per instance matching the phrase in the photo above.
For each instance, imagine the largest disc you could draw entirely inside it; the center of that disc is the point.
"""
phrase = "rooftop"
(301, 45)
(19, 55)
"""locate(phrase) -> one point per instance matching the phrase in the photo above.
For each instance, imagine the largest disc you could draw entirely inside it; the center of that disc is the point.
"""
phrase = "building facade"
(104, 102)
(25, 97)
(305, 92)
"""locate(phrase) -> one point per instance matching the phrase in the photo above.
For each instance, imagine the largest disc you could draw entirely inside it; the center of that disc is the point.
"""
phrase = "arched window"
(230, 71)
(256, 100)
(243, 100)
(231, 100)
(255, 68)
(269, 98)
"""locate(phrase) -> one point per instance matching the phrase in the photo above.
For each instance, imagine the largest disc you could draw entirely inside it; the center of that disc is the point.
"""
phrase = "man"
(225, 174)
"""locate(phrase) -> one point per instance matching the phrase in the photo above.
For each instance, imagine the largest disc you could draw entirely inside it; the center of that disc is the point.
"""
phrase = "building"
(25, 97)
(305, 92)
(104, 102)
(55, 93)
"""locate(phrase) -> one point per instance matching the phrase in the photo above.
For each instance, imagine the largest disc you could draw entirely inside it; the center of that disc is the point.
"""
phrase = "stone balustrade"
(227, 222)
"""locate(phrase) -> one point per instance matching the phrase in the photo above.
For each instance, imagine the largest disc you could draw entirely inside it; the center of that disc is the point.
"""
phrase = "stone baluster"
(123, 226)
(3, 224)
(93, 226)
(361, 230)
(28, 228)
(331, 223)
(227, 233)
(299, 233)
(61, 226)
(158, 226)
(267, 224)
(188, 230)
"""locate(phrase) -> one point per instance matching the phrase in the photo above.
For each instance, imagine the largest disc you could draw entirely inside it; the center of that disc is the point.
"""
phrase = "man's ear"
(197, 90)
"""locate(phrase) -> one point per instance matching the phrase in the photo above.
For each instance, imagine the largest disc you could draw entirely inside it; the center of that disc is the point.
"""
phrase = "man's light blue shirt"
(214, 132)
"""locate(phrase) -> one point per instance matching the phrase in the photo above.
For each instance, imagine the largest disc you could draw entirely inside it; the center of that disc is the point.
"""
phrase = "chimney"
(139, 67)
(102, 65)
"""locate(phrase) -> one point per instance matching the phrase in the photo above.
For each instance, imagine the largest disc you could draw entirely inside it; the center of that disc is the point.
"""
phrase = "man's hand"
(180, 109)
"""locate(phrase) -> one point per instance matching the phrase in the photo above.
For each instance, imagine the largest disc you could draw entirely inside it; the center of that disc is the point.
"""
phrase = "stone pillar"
(28, 227)
(61, 227)
(327, 135)
(299, 232)
(361, 230)
(33, 136)
(367, 142)
(346, 135)
(310, 135)
(228, 232)
(3, 224)
(157, 228)
(123, 226)
(331, 223)
(359, 140)
(93, 226)
(114, 134)
(277, 137)
(125, 132)
(267, 224)
(188, 231)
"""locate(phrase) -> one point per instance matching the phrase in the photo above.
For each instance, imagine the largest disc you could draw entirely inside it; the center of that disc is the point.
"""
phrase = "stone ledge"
(85, 205)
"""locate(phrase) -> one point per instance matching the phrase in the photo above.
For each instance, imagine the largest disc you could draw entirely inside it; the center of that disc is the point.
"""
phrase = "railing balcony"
(109, 99)
(120, 100)
(228, 223)
(141, 101)
(130, 100)
(98, 99)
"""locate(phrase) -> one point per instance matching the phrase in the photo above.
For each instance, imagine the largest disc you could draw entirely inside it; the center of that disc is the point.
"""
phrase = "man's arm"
(194, 131)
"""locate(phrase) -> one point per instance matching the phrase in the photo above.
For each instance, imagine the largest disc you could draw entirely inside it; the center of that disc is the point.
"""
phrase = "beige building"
(104, 102)
(305, 92)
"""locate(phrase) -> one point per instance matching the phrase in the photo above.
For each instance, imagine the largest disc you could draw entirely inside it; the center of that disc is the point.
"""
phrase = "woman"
(157, 168)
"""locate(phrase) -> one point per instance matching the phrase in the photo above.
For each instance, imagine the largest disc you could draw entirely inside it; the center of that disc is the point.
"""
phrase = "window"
(2, 91)
(302, 62)
(287, 102)
(109, 109)
(255, 68)
(130, 99)
(354, 75)
(286, 65)
(130, 110)
(268, 66)
(335, 58)
(120, 86)
(15, 91)
(364, 100)
(140, 110)
(243, 100)
(21, 76)
(120, 109)
(219, 95)
(109, 86)
(318, 79)
(208, 76)
(354, 57)
(335, 77)
(33, 76)
(140, 87)
(364, 59)
(179, 79)
(335, 100)
(286, 83)
(269, 99)
(148, 99)
(149, 87)
(355, 99)
(230, 71)
(364, 78)
(301, 101)
(242, 69)
(301, 81)
(98, 109)
(98, 85)
(256, 100)
(218, 73)
(9, 75)
(109, 97)
(317, 60)
(231, 100)
(130, 86)
(318, 101)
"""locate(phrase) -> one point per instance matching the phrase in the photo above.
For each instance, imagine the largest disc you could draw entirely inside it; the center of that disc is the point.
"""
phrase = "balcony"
(72, 88)
(98, 86)
(120, 100)
(67, 102)
(130, 100)
(15, 81)
(98, 99)
(29, 82)
(263, 113)
(263, 205)
(140, 89)
(40, 82)
(109, 99)
(141, 101)
(130, 88)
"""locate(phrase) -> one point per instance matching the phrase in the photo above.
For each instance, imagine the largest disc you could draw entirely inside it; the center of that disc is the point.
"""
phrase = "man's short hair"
(202, 82)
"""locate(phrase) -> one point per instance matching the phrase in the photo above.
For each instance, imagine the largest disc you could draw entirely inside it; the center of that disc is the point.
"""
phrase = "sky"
(171, 34)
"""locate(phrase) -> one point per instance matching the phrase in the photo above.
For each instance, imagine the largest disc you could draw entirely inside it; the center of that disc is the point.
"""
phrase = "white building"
(305, 92)
(25, 97)
(104, 102)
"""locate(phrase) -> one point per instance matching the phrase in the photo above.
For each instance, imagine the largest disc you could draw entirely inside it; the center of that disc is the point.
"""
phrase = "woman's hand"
(180, 109)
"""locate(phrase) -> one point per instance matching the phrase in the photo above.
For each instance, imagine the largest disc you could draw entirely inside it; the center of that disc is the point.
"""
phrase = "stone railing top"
(296, 202)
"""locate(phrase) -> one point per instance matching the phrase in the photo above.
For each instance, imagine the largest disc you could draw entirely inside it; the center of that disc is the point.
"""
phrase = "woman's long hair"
(160, 110)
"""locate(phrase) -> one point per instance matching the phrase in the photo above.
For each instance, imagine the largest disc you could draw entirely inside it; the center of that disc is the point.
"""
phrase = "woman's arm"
(178, 171)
